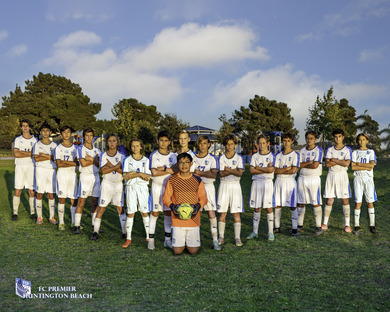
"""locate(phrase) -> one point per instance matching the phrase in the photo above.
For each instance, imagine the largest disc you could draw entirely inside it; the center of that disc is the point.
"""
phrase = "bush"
(6, 142)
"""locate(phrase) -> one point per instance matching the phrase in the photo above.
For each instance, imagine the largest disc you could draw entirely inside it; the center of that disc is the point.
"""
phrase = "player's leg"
(317, 209)
(371, 215)
(293, 206)
(152, 228)
(347, 212)
(214, 229)
(73, 206)
(237, 228)
(142, 193)
(178, 240)
(255, 202)
(38, 204)
(78, 213)
(129, 229)
(61, 213)
(192, 239)
(51, 203)
(270, 222)
(98, 219)
(370, 195)
(302, 193)
(327, 211)
(31, 202)
(221, 227)
(256, 222)
(168, 229)
(96, 194)
(301, 215)
(15, 204)
(294, 221)
(278, 204)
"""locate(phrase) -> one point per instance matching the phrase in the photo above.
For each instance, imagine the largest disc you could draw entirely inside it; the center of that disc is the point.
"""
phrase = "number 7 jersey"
(66, 154)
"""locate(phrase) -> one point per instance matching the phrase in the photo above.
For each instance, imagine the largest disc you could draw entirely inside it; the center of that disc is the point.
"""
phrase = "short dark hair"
(45, 125)
(26, 121)
(338, 131)
(288, 135)
(184, 155)
(164, 133)
(263, 136)
(312, 132)
(66, 127)
(230, 137)
(87, 130)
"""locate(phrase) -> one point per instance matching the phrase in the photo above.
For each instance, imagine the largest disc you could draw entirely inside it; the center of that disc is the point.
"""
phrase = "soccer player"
(24, 168)
(136, 173)
(184, 139)
(162, 163)
(309, 180)
(111, 190)
(363, 162)
(262, 169)
(205, 166)
(184, 187)
(89, 180)
(65, 156)
(45, 173)
(285, 190)
(231, 167)
(337, 159)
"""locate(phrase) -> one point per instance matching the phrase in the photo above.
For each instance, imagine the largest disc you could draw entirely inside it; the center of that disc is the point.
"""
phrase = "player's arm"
(21, 154)
(168, 193)
(228, 171)
(212, 173)
(42, 157)
(261, 170)
(202, 195)
(363, 166)
(65, 163)
(109, 167)
(341, 162)
(134, 174)
(286, 170)
(309, 164)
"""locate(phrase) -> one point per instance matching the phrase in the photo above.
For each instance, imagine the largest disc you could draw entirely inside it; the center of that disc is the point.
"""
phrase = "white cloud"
(3, 35)
(17, 50)
(77, 39)
(370, 55)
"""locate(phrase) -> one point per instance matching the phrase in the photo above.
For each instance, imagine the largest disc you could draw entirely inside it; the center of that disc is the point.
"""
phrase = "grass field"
(332, 272)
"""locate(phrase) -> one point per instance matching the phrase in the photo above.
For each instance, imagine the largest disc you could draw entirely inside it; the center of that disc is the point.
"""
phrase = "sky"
(200, 59)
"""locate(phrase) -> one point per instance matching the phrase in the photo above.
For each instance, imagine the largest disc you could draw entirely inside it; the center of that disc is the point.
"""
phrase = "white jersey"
(48, 149)
(66, 154)
(233, 163)
(206, 163)
(157, 159)
(364, 157)
(24, 145)
(315, 154)
(287, 160)
(113, 176)
(82, 152)
(344, 153)
(133, 165)
(259, 160)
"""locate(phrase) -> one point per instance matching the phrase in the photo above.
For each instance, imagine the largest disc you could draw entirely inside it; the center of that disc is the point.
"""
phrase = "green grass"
(332, 272)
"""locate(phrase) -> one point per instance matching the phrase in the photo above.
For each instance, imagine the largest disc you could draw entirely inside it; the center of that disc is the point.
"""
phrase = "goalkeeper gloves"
(196, 209)
(174, 209)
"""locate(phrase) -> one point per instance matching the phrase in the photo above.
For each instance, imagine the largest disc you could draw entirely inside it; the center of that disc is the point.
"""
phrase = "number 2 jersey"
(259, 160)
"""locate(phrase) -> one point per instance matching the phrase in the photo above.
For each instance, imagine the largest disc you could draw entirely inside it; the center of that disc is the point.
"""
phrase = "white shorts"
(24, 177)
(211, 201)
(309, 190)
(89, 185)
(337, 185)
(364, 185)
(262, 194)
(185, 236)
(45, 180)
(230, 195)
(67, 184)
(285, 192)
(137, 198)
(111, 193)
(156, 196)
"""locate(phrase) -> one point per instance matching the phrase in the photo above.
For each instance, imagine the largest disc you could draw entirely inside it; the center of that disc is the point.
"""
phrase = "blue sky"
(200, 59)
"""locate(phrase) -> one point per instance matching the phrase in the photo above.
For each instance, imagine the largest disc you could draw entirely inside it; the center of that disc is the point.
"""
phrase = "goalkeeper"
(185, 188)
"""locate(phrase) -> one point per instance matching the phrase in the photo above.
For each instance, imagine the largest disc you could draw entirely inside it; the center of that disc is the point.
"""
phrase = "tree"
(226, 128)
(371, 128)
(386, 139)
(52, 99)
(173, 124)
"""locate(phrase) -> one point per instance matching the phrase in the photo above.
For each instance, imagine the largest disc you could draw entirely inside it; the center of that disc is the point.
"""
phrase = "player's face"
(88, 137)
(230, 146)
(184, 139)
(287, 143)
(112, 143)
(263, 145)
(25, 127)
(185, 165)
(136, 147)
(45, 132)
(204, 146)
(310, 140)
(338, 138)
(163, 142)
(362, 141)
(66, 134)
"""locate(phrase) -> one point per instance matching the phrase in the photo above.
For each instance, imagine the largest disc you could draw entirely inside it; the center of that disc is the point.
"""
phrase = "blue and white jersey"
(66, 154)
(157, 159)
(235, 162)
(113, 176)
(364, 157)
(306, 155)
(24, 145)
(48, 149)
(344, 153)
(83, 151)
(287, 160)
(259, 160)
(136, 165)
(206, 163)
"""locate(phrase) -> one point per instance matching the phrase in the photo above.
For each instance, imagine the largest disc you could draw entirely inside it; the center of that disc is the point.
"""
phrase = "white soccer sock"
(256, 222)
(357, 217)
(346, 210)
(328, 210)
(301, 215)
(221, 229)
(38, 206)
(72, 213)
(61, 211)
(270, 221)
(237, 230)
(152, 224)
(278, 216)
(122, 220)
(371, 214)
(318, 215)
(129, 227)
(31, 203)
(93, 217)
(145, 220)
(294, 219)
(214, 229)
(77, 218)
(96, 226)
(168, 227)
(51, 208)
(15, 204)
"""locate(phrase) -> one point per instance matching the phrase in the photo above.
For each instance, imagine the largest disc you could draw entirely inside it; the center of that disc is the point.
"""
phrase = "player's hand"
(88, 158)
(196, 209)
(174, 209)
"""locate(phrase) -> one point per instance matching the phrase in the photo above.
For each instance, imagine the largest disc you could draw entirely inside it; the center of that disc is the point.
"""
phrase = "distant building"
(196, 131)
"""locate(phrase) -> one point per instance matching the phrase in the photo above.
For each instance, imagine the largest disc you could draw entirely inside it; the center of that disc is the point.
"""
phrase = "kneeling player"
(136, 173)
(184, 187)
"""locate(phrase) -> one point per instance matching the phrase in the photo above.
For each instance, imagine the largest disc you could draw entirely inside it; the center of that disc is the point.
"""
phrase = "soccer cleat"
(216, 245)
(294, 232)
(252, 236)
(14, 217)
(94, 236)
(76, 230)
(276, 230)
(373, 230)
(151, 244)
(271, 236)
(100, 230)
(39, 220)
(319, 231)
(81, 226)
(238, 242)
(33, 216)
(168, 244)
(53, 221)
(221, 241)
(348, 229)
(127, 243)
(356, 230)
(61, 227)
(324, 227)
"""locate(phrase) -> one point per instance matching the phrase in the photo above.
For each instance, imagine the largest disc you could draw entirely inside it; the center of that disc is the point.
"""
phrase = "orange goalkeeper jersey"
(181, 190)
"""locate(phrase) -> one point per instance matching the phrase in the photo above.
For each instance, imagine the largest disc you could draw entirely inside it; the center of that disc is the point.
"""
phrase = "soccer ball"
(185, 211)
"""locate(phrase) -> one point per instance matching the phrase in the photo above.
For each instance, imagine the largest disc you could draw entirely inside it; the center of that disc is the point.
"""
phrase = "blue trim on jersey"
(318, 196)
(375, 198)
(320, 153)
(243, 163)
(349, 190)
(292, 198)
(242, 203)
(350, 151)
(298, 159)
(149, 203)
(216, 161)
(273, 200)
(150, 159)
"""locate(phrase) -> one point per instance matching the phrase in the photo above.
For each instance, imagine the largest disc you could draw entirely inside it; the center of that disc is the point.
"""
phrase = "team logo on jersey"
(312, 153)
(368, 152)
(66, 152)
(84, 192)
(342, 154)
(234, 162)
(206, 162)
(60, 192)
(102, 201)
(252, 202)
(22, 287)
(171, 159)
(116, 159)
(289, 159)
(267, 159)
(138, 170)
(31, 143)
